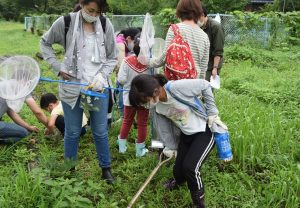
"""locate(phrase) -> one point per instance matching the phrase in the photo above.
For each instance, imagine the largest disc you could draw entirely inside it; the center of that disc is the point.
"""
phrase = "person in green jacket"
(215, 33)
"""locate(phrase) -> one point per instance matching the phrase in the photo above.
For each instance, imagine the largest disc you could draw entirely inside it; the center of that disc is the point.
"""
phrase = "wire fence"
(235, 32)
(260, 33)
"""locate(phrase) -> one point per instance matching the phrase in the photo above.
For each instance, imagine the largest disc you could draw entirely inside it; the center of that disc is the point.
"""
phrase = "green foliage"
(292, 23)
(139, 6)
(257, 57)
(224, 6)
(16, 10)
(282, 6)
(283, 27)
(248, 20)
(9, 10)
(165, 18)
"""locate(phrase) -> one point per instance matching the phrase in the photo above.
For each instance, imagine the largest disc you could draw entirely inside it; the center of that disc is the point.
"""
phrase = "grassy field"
(259, 100)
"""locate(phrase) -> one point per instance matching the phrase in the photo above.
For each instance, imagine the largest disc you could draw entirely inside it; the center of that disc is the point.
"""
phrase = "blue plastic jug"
(223, 146)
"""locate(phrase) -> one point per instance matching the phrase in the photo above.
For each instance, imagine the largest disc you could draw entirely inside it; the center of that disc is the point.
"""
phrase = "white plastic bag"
(215, 82)
(218, 18)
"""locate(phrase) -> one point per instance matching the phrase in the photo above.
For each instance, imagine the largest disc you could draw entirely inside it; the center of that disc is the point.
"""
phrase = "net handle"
(76, 83)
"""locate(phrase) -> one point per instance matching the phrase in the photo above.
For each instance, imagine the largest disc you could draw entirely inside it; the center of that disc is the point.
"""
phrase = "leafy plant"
(165, 18)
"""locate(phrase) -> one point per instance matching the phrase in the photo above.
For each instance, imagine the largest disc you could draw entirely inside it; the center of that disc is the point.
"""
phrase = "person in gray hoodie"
(90, 57)
(175, 100)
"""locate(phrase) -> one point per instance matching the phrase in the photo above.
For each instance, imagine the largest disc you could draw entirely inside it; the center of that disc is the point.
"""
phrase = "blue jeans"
(120, 100)
(10, 132)
(98, 119)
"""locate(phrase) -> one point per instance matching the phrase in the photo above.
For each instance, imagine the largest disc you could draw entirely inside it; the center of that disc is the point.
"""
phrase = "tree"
(139, 6)
(223, 6)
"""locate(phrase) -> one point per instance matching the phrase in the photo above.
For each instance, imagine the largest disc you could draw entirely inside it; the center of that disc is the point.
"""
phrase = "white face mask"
(88, 18)
(130, 46)
(152, 103)
(200, 24)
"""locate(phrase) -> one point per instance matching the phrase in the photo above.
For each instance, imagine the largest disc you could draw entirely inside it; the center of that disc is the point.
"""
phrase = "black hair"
(143, 86)
(77, 8)
(102, 4)
(47, 99)
(205, 12)
(136, 47)
(131, 32)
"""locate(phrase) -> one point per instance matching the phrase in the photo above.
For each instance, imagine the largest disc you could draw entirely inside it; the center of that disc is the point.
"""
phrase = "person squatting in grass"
(50, 103)
(130, 68)
(90, 57)
(13, 132)
(196, 140)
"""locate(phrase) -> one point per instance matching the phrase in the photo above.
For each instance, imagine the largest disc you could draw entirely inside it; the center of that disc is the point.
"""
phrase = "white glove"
(216, 119)
(98, 83)
(169, 153)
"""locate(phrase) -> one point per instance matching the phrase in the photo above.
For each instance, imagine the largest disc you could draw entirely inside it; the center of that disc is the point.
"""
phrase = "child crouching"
(50, 103)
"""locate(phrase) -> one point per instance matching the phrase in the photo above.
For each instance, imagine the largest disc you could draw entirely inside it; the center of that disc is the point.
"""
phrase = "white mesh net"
(157, 50)
(158, 47)
(146, 40)
(19, 75)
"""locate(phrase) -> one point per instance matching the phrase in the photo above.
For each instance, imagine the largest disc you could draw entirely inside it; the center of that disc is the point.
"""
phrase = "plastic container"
(223, 146)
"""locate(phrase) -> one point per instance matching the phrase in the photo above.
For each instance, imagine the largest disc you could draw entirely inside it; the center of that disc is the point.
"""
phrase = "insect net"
(146, 40)
(157, 51)
(19, 75)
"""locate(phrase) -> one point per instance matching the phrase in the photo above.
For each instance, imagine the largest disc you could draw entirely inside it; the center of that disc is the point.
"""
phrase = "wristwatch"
(216, 66)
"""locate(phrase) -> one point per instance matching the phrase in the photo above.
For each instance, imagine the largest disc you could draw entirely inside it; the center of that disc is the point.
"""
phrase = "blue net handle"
(93, 93)
(45, 79)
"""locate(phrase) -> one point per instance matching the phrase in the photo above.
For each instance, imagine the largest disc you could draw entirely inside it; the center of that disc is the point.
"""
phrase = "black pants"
(60, 125)
(192, 151)
(111, 100)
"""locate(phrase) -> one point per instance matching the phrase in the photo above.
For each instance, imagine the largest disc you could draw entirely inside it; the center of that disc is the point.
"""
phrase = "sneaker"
(107, 176)
(171, 184)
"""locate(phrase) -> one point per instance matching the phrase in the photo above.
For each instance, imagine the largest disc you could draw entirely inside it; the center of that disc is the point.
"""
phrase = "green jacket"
(215, 33)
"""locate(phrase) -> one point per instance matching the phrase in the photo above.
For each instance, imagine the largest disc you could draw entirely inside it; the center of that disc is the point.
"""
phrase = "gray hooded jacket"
(56, 34)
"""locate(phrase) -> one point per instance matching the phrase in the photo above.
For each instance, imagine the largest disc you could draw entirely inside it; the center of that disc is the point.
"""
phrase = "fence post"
(266, 35)
(25, 24)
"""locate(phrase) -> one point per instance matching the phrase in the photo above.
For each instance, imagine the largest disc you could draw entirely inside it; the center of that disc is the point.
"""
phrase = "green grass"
(259, 100)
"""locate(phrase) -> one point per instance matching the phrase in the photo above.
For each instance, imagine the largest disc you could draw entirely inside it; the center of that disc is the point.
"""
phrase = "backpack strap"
(198, 105)
(67, 20)
(175, 29)
(103, 23)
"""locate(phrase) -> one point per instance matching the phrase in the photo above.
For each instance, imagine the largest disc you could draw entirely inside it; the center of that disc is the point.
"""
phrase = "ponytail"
(162, 80)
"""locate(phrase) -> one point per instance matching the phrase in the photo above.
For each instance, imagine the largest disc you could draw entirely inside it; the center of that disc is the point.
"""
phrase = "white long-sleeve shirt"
(125, 76)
